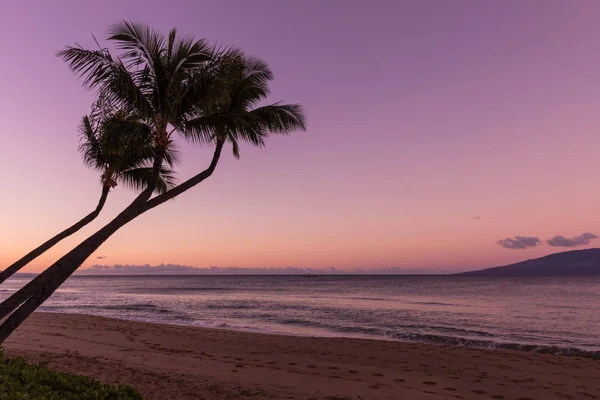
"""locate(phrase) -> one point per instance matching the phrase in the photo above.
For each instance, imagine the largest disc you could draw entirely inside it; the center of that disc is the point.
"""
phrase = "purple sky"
(421, 115)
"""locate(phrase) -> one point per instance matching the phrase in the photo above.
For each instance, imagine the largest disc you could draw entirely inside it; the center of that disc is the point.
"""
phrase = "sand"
(174, 362)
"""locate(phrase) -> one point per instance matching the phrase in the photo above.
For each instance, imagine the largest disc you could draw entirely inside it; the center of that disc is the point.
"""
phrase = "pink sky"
(422, 114)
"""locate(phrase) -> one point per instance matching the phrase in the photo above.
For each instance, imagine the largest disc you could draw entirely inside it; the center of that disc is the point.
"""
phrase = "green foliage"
(22, 381)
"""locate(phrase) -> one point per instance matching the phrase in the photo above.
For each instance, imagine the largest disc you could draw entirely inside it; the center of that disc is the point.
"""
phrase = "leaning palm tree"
(173, 86)
(103, 148)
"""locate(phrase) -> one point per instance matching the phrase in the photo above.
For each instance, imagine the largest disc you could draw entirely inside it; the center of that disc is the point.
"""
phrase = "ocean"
(549, 315)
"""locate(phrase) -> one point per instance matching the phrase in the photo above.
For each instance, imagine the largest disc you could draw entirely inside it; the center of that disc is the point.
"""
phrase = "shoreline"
(183, 362)
(453, 341)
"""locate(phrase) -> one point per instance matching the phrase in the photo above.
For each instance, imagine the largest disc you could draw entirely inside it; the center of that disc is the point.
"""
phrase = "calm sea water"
(552, 315)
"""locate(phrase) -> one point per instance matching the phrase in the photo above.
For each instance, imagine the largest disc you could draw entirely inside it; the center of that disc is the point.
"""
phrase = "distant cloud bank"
(176, 269)
(581, 240)
(476, 217)
(519, 242)
(525, 242)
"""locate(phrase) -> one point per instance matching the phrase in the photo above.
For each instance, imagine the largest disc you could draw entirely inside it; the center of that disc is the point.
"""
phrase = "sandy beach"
(176, 362)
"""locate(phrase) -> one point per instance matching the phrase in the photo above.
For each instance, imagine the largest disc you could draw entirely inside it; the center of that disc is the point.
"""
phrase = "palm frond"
(171, 42)
(138, 178)
(172, 156)
(205, 86)
(235, 148)
(89, 147)
(251, 126)
(182, 67)
(124, 132)
(230, 116)
(252, 83)
(138, 42)
(189, 54)
(109, 77)
(144, 50)
(278, 118)
(205, 129)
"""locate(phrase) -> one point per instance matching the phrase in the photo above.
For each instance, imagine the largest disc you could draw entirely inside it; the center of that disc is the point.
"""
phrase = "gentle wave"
(433, 303)
(343, 331)
(231, 306)
(356, 329)
(448, 340)
(122, 307)
(548, 317)
(179, 290)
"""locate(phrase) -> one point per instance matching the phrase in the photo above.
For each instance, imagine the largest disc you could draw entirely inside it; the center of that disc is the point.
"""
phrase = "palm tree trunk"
(32, 255)
(60, 271)
(44, 285)
(75, 258)
(35, 285)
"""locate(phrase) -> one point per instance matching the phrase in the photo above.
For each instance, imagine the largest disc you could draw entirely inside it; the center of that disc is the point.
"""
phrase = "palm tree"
(117, 160)
(206, 95)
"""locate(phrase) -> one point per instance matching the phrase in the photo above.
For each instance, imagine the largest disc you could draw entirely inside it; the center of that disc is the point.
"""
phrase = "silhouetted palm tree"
(104, 148)
(207, 95)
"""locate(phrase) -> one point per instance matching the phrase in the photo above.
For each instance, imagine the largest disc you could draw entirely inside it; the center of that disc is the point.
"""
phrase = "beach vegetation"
(20, 380)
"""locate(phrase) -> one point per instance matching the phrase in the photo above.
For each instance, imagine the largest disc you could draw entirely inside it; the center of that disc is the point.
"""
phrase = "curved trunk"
(36, 284)
(32, 295)
(32, 255)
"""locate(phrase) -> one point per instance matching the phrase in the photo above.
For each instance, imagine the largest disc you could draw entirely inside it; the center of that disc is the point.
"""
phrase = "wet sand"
(175, 362)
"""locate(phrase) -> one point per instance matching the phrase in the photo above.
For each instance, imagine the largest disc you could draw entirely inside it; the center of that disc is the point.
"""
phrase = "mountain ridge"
(567, 263)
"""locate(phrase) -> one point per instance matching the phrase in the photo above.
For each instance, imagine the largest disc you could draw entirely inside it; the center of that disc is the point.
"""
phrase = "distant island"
(568, 263)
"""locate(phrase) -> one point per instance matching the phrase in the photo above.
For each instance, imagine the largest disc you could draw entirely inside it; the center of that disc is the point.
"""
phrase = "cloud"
(581, 240)
(101, 257)
(176, 269)
(477, 217)
(519, 242)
